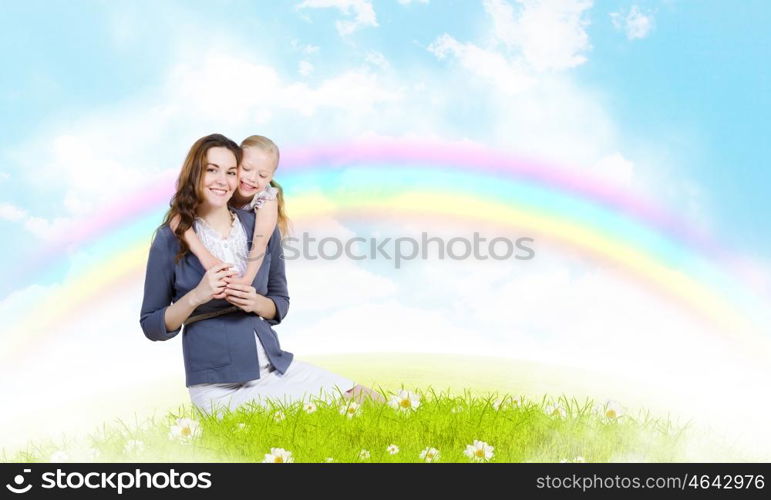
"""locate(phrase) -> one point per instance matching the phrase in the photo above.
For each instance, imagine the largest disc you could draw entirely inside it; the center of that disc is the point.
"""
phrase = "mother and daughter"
(216, 266)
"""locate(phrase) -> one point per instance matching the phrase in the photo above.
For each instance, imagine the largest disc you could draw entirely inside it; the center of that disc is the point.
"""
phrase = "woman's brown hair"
(189, 194)
(265, 144)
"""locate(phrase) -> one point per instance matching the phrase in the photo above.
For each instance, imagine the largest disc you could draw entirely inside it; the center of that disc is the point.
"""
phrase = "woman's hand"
(209, 261)
(244, 296)
(213, 263)
(212, 285)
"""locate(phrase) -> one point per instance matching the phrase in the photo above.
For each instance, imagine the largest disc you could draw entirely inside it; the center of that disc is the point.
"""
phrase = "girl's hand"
(213, 283)
(242, 280)
(243, 296)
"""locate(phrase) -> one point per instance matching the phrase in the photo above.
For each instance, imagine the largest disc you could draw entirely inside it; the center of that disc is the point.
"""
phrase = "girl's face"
(255, 172)
(220, 177)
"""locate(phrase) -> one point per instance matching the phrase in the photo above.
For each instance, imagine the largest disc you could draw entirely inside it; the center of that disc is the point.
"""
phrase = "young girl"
(256, 191)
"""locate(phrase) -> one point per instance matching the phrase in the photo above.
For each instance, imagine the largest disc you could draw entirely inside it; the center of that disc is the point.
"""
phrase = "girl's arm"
(273, 306)
(264, 224)
(199, 250)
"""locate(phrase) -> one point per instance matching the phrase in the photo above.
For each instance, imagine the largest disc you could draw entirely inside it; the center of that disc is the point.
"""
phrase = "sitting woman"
(231, 353)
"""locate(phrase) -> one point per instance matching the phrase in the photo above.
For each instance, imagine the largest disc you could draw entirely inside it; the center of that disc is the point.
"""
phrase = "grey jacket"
(220, 349)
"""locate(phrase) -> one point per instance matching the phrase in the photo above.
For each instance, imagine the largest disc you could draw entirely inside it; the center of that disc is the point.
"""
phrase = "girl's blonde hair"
(265, 144)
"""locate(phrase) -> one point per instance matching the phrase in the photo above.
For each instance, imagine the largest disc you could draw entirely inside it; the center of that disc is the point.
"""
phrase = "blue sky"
(698, 71)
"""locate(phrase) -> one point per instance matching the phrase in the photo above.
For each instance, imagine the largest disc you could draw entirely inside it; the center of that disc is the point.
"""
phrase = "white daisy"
(185, 430)
(456, 409)
(612, 410)
(430, 455)
(479, 451)
(309, 407)
(278, 456)
(392, 449)
(133, 446)
(364, 454)
(405, 401)
(329, 459)
(351, 408)
(279, 416)
(241, 426)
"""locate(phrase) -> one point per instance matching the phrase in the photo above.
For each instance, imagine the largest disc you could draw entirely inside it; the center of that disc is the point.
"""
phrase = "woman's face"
(256, 171)
(220, 177)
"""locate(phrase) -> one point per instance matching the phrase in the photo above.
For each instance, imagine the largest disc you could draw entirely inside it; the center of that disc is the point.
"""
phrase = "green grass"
(522, 432)
(444, 381)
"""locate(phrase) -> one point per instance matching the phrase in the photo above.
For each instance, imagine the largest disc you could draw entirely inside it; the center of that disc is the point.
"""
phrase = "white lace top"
(232, 249)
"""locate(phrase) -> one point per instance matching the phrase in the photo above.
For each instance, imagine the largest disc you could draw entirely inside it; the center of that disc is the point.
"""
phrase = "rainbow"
(438, 182)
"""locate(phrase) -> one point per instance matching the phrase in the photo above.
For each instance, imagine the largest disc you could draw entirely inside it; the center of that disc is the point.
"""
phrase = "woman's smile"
(219, 191)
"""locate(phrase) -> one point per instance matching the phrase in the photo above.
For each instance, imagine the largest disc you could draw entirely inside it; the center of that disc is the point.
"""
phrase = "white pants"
(301, 382)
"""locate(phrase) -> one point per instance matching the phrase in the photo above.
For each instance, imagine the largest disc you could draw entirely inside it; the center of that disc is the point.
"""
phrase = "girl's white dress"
(300, 382)
(269, 193)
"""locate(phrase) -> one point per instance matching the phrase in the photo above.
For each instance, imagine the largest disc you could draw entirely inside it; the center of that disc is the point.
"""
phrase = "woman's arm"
(159, 289)
(212, 284)
(159, 318)
(179, 311)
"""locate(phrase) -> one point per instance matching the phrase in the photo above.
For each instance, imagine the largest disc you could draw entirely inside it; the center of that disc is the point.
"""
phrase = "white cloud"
(635, 24)
(307, 49)
(96, 159)
(615, 168)
(11, 212)
(407, 2)
(304, 68)
(356, 91)
(536, 104)
(44, 362)
(526, 42)
(508, 76)
(319, 284)
(549, 35)
(362, 12)
(377, 59)
(559, 309)
(43, 228)
(207, 89)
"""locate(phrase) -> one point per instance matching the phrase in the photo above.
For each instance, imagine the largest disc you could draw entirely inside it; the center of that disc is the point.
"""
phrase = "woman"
(231, 353)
